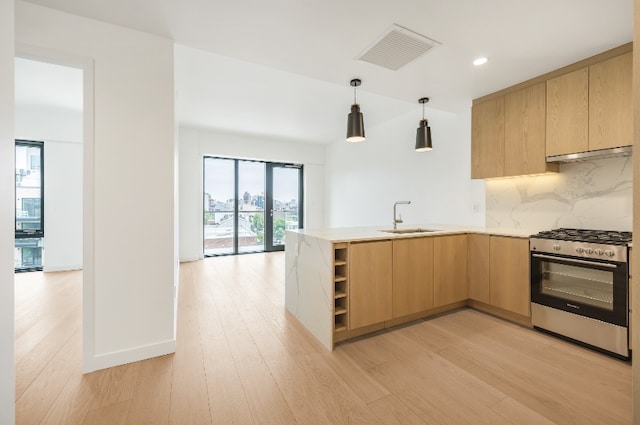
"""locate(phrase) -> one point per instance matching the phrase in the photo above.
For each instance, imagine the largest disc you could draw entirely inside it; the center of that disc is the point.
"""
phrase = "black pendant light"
(423, 135)
(355, 122)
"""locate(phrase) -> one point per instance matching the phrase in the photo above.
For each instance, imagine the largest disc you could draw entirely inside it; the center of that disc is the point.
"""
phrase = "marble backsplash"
(591, 195)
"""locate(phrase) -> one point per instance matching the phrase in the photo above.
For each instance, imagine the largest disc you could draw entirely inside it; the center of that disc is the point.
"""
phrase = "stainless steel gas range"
(580, 287)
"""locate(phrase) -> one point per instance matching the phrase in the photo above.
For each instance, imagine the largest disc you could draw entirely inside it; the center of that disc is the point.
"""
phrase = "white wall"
(7, 186)
(195, 143)
(129, 262)
(190, 194)
(363, 180)
(39, 122)
(62, 206)
(595, 194)
(61, 131)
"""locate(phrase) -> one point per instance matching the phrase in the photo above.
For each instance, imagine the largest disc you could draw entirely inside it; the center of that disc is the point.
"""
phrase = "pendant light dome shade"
(355, 121)
(423, 135)
(355, 125)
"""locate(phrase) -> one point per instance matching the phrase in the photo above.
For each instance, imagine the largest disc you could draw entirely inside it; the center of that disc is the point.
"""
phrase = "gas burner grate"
(612, 237)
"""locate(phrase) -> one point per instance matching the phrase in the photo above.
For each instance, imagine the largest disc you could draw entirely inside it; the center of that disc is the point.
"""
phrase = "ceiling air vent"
(397, 47)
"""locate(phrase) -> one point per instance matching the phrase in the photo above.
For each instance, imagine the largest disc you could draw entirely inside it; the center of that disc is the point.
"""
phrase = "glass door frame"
(268, 245)
(268, 220)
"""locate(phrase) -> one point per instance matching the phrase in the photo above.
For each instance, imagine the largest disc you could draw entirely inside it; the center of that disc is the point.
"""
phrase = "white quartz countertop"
(353, 234)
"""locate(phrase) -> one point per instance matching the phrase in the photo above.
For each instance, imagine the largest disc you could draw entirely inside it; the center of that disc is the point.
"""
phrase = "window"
(29, 203)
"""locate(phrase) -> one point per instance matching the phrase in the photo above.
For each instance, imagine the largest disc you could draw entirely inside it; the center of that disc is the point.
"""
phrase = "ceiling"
(282, 68)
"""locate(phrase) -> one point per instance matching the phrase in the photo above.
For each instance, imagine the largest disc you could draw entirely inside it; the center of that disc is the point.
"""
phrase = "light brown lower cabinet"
(370, 283)
(412, 276)
(630, 311)
(393, 279)
(630, 291)
(450, 280)
(509, 285)
(479, 267)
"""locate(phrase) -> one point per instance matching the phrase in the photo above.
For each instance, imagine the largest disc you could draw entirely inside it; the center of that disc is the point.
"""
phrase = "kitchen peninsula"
(346, 282)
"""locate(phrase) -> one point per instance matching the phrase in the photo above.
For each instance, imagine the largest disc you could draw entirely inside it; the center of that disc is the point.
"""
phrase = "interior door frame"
(87, 65)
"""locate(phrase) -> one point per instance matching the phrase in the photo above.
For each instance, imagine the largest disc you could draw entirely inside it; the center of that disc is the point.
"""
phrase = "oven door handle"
(573, 260)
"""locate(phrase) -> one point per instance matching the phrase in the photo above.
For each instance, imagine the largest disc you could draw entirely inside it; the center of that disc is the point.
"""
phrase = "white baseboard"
(189, 259)
(61, 268)
(118, 358)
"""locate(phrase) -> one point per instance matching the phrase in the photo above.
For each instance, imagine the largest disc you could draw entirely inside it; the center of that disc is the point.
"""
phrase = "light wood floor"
(241, 359)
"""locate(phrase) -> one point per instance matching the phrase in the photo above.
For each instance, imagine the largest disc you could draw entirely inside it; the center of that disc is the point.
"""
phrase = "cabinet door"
(610, 103)
(450, 280)
(524, 132)
(412, 276)
(487, 139)
(509, 287)
(479, 266)
(630, 291)
(370, 283)
(568, 113)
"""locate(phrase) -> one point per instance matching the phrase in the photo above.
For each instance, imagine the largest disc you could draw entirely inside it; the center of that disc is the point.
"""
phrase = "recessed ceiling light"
(480, 61)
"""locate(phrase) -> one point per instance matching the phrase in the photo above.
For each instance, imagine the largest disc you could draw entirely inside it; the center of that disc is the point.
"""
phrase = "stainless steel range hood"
(591, 155)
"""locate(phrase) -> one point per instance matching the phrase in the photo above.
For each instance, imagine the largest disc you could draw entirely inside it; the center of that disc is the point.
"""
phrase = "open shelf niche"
(340, 287)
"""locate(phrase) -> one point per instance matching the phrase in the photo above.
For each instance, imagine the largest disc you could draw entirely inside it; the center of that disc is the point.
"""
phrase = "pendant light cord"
(355, 83)
(423, 100)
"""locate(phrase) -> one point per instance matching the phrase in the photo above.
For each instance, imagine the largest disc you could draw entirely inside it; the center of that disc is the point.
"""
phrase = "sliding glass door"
(220, 204)
(238, 194)
(251, 194)
(284, 203)
(29, 203)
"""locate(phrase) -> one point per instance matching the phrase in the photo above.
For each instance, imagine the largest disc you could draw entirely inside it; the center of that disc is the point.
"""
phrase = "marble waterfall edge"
(309, 284)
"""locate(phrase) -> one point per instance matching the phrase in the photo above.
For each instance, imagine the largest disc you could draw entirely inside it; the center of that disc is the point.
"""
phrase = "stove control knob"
(556, 247)
(598, 251)
(588, 250)
(609, 253)
(579, 250)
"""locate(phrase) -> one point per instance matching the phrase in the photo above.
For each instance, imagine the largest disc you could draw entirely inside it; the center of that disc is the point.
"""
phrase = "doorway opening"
(49, 125)
(249, 205)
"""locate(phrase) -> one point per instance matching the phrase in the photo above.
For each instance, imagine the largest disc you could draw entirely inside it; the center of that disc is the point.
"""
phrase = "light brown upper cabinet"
(508, 135)
(584, 106)
(610, 103)
(590, 108)
(450, 279)
(412, 276)
(370, 283)
(487, 139)
(568, 113)
(524, 132)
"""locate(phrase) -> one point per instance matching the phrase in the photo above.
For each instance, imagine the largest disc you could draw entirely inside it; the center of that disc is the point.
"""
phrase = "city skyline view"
(251, 179)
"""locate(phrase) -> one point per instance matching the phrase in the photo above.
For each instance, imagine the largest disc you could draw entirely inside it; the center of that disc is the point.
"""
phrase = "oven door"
(592, 288)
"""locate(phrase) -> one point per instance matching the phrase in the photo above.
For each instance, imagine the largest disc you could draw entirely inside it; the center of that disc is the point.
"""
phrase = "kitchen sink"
(411, 230)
